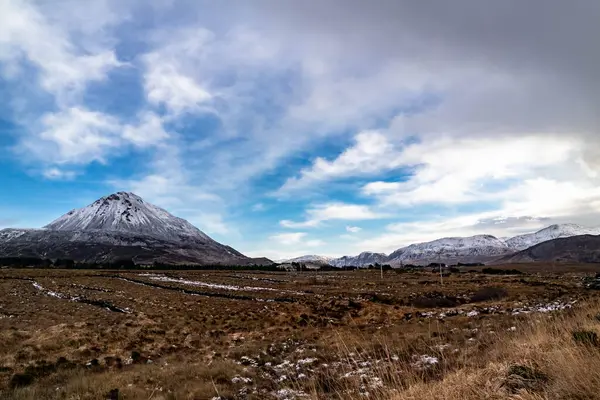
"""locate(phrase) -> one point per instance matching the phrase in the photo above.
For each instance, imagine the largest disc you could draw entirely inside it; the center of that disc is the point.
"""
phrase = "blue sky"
(285, 129)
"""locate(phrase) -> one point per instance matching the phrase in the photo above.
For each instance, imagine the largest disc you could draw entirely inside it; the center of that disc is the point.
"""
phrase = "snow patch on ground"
(289, 394)
(79, 299)
(425, 361)
(162, 278)
(53, 294)
(517, 310)
(240, 379)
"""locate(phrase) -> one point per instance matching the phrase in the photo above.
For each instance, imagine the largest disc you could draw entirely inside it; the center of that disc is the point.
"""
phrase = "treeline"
(32, 262)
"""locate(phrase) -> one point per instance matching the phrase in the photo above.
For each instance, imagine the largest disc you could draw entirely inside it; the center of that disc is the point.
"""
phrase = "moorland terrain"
(524, 331)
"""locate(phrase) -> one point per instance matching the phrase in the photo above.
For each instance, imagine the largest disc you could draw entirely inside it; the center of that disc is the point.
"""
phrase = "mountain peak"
(120, 196)
(127, 195)
(127, 212)
(557, 227)
(555, 231)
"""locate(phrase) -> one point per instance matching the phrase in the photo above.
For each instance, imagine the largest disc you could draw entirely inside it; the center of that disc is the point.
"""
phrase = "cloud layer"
(379, 123)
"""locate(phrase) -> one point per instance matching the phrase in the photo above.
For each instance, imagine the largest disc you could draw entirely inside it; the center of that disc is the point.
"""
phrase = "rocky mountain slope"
(361, 260)
(479, 248)
(121, 226)
(311, 258)
(523, 242)
(579, 249)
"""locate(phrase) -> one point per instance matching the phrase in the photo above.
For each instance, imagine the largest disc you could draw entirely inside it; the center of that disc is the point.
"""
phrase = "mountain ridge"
(364, 258)
(308, 258)
(477, 248)
(575, 249)
(555, 231)
(121, 226)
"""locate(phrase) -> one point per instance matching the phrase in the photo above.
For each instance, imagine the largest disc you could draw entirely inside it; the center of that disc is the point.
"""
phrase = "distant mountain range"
(121, 226)
(480, 248)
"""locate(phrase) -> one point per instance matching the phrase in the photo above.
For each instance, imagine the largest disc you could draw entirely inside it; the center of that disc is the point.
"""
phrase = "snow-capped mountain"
(523, 242)
(572, 249)
(477, 248)
(361, 260)
(121, 226)
(127, 212)
(311, 258)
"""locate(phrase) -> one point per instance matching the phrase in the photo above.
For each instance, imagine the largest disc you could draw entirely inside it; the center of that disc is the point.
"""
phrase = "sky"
(285, 128)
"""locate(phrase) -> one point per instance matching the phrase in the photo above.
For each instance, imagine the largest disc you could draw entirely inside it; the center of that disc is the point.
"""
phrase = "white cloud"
(193, 69)
(353, 229)
(148, 132)
(211, 223)
(167, 86)
(243, 77)
(371, 153)
(319, 213)
(286, 223)
(168, 182)
(447, 170)
(290, 245)
(451, 171)
(50, 49)
(342, 211)
(314, 243)
(75, 135)
(542, 197)
(58, 174)
(27, 34)
(288, 239)
(340, 96)
(532, 205)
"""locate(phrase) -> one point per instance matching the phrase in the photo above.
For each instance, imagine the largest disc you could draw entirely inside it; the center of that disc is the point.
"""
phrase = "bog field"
(523, 332)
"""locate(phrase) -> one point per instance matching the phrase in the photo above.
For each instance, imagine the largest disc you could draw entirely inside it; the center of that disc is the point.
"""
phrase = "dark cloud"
(535, 64)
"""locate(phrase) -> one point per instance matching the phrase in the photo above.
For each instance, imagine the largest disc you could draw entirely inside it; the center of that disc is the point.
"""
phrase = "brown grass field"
(77, 334)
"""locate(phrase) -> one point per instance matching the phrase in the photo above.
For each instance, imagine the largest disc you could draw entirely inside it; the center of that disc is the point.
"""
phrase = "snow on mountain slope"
(11, 233)
(479, 248)
(572, 249)
(127, 212)
(523, 242)
(121, 226)
(454, 249)
(308, 258)
(364, 258)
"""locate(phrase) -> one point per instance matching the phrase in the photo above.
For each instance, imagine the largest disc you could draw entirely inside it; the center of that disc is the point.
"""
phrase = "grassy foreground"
(278, 336)
(553, 357)
(547, 357)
